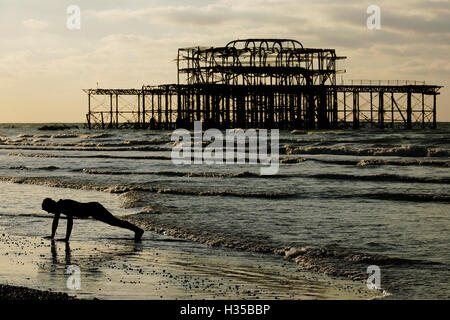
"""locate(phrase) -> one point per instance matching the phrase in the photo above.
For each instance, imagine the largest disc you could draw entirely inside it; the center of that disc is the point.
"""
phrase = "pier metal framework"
(264, 83)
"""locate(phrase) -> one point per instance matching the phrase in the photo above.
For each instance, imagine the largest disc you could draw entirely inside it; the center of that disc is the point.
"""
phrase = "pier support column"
(310, 112)
(322, 119)
(345, 108)
(240, 112)
(143, 109)
(381, 109)
(392, 110)
(423, 111)
(117, 111)
(408, 111)
(227, 111)
(371, 109)
(89, 112)
(166, 103)
(110, 110)
(434, 112)
(270, 112)
(206, 113)
(335, 108)
(139, 111)
(198, 108)
(355, 110)
(180, 118)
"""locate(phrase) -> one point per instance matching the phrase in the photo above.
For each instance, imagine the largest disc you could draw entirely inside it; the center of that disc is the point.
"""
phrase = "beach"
(13, 293)
(160, 267)
(341, 202)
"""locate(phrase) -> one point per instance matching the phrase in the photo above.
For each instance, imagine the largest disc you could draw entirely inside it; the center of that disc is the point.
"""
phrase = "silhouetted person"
(72, 208)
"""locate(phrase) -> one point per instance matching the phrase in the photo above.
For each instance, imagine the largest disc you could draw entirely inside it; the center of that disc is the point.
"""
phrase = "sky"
(124, 44)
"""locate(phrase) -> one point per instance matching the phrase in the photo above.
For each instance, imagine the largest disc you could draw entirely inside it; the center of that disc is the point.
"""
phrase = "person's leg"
(106, 217)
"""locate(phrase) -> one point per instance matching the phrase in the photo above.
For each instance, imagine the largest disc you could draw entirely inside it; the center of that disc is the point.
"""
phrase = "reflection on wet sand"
(90, 258)
(55, 253)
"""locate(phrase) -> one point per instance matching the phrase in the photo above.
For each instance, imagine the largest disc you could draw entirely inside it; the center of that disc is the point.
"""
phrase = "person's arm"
(54, 226)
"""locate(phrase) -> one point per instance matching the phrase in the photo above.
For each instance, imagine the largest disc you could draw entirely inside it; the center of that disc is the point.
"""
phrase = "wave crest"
(403, 151)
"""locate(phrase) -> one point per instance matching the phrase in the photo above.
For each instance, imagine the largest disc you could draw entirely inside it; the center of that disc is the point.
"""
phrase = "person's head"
(49, 205)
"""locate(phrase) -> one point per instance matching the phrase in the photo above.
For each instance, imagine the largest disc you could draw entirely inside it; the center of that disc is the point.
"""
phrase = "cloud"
(318, 20)
(214, 16)
(129, 44)
(35, 24)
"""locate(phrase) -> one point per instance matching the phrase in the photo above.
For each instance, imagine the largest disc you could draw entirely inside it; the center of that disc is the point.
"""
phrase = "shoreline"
(321, 260)
(158, 269)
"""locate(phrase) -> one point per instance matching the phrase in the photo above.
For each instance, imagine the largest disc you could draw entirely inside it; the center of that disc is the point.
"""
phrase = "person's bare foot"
(138, 235)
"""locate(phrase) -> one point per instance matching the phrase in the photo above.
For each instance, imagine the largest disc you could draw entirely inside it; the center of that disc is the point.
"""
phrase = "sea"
(341, 202)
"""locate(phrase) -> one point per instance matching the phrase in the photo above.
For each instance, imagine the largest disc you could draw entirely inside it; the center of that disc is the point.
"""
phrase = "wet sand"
(121, 269)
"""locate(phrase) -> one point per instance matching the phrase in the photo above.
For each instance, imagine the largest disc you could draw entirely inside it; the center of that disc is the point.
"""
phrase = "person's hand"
(48, 237)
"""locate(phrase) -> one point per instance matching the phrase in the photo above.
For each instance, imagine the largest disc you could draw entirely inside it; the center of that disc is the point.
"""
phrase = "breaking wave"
(243, 174)
(403, 151)
(381, 177)
(142, 188)
(71, 147)
(51, 182)
(99, 156)
(330, 260)
(428, 163)
(47, 168)
(441, 198)
(360, 163)
(96, 136)
(246, 174)
(372, 162)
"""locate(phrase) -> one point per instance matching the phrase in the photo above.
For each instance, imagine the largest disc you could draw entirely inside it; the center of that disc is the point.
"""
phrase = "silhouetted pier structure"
(264, 83)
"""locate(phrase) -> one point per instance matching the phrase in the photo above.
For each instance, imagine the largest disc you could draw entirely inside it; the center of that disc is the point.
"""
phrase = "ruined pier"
(264, 83)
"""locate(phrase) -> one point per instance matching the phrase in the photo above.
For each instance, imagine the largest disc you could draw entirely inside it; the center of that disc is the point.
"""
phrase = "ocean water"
(344, 199)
